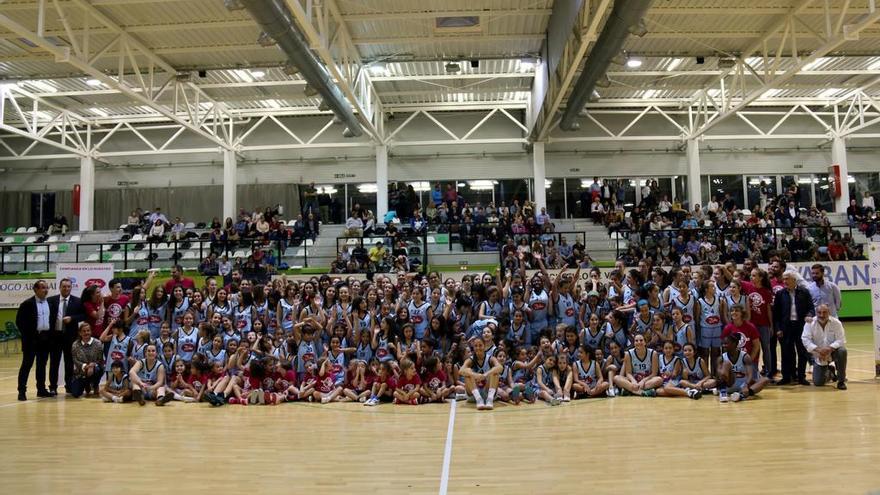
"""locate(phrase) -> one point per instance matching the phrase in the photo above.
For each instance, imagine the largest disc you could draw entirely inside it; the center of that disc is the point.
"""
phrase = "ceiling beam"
(837, 33)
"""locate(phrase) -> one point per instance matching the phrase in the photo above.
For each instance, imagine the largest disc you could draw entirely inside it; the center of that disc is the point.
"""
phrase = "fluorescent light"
(274, 104)
(379, 70)
(421, 186)
(326, 189)
(367, 188)
(42, 86)
(770, 93)
(673, 64)
(649, 93)
(547, 183)
(815, 63)
(257, 74)
(850, 179)
(243, 75)
(633, 63)
(754, 61)
(99, 112)
(94, 83)
(526, 64)
(828, 93)
(875, 65)
(804, 180)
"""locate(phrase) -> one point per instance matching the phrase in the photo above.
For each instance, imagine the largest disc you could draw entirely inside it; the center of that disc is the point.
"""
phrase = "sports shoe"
(189, 400)
(649, 393)
(489, 405)
(138, 395)
(362, 399)
(555, 401)
(514, 395)
(611, 392)
(461, 397)
(261, 397)
(233, 400)
(107, 400)
(736, 397)
(841, 385)
(722, 395)
(414, 402)
(165, 399)
(372, 401)
(481, 405)
(694, 393)
(117, 399)
(566, 398)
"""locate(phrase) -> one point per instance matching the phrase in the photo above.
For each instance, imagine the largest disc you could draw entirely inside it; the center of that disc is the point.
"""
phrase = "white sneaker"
(362, 399)
(109, 400)
(566, 398)
(325, 399)
(189, 399)
(371, 402)
(736, 397)
(481, 405)
(489, 405)
(722, 396)
(694, 393)
(611, 392)
(461, 396)
(555, 401)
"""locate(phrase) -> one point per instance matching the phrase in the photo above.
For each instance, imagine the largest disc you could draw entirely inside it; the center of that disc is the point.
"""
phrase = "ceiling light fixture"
(94, 83)
(633, 63)
(673, 64)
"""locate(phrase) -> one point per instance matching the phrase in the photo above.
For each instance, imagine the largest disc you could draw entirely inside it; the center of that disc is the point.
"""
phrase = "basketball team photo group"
(439, 246)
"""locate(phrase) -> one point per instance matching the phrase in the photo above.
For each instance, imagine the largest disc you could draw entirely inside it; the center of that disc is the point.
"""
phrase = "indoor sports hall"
(439, 246)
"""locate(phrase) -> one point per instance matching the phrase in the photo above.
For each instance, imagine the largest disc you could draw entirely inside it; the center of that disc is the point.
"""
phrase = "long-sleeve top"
(815, 336)
(827, 293)
(86, 353)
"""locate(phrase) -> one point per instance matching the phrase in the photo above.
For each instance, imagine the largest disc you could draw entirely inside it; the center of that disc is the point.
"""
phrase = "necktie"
(62, 313)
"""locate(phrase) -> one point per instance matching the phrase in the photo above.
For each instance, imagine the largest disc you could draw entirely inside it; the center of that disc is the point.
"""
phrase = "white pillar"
(381, 182)
(838, 157)
(540, 173)
(230, 185)
(86, 193)
(695, 188)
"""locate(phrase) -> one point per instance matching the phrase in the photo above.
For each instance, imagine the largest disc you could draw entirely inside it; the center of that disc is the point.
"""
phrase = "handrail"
(3, 253)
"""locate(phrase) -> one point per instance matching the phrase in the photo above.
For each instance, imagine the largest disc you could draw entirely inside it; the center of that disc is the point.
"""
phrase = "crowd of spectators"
(723, 231)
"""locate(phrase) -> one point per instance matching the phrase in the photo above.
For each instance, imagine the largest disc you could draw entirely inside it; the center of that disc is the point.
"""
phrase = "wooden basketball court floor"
(791, 439)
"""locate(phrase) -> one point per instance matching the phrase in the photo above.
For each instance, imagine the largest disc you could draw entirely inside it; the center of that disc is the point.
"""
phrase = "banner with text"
(82, 275)
(874, 260)
(13, 292)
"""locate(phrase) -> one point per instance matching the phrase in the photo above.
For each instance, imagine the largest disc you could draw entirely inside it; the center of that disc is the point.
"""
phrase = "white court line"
(447, 452)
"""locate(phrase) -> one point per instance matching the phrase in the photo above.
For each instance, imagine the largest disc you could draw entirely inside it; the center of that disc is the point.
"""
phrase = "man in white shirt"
(542, 217)
(823, 291)
(712, 206)
(824, 338)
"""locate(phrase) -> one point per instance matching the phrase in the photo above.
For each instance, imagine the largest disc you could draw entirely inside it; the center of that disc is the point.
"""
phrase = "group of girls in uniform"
(512, 337)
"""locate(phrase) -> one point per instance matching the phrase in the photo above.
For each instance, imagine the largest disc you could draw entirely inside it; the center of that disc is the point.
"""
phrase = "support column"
(540, 173)
(86, 193)
(695, 188)
(230, 186)
(381, 182)
(838, 157)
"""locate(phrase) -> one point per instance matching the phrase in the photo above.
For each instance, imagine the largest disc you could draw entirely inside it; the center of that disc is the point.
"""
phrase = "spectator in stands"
(729, 204)
(157, 232)
(229, 230)
(689, 222)
(313, 227)
(242, 226)
(354, 226)
(324, 201)
(177, 278)
(854, 213)
(712, 206)
(224, 269)
(451, 195)
(436, 195)
(417, 223)
(825, 339)
(597, 210)
(133, 222)
(263, 227)
(310, 198)
(178, 229)
(59, 225)
(868, 203)
(837, 251)
(377, 254)
(801, 249)
(209, 266)
(157, 215)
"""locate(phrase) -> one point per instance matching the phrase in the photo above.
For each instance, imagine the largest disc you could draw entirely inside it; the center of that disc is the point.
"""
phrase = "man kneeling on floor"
(824, 338)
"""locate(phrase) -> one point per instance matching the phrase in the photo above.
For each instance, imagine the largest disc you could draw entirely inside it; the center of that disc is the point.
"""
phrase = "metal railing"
(8, 256)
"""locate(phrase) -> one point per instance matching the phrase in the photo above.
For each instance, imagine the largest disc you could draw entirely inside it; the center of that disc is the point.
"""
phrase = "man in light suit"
(36, 321)
(69, 313)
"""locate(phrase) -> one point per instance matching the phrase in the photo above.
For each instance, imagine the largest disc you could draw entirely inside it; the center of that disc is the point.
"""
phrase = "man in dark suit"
(35, 320)
(791, 306)
(69, 313)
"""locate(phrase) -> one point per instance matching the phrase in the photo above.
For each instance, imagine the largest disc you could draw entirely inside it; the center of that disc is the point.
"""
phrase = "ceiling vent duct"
(625, 18)
(277, 22)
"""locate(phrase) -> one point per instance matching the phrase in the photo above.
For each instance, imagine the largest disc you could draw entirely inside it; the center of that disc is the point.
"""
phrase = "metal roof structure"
(71, 67)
